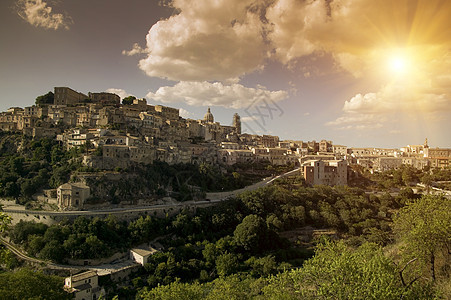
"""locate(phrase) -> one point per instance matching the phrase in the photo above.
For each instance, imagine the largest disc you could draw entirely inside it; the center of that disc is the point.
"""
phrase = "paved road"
(122, 210)
(266, 181)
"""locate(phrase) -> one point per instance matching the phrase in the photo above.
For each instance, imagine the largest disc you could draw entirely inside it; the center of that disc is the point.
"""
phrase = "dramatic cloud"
(224, 40)
(120, 92)
(38, 14)
(215, 94)
(206, 40)
(219, 40)
(355, 31)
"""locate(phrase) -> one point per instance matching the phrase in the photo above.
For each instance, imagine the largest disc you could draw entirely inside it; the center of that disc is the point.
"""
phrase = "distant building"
(141, 255)
(84, 285)
(67, 96)
(105, 98)
(325, 146)
(208, 118)
(269, 141)
(382, 164)
(439, 157)
(72, 195)
(167, 112)
(332, 172)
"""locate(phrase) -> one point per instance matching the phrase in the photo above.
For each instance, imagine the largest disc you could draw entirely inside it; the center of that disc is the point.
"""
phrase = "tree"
(227, 264)
(426, 179)
(339, 272)
(175, 290)
(424, 225)
(249, 232)
(27, 284)
(128, 100)
(45, 99)
(53, 251)
(263, 266)
(5, 220)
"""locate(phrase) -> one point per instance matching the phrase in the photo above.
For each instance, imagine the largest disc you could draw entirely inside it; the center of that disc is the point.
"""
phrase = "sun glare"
(398, 64)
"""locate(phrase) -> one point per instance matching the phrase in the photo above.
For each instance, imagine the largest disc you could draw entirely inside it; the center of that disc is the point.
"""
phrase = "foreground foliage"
(424, 226)
(335, 272)
(29, 284)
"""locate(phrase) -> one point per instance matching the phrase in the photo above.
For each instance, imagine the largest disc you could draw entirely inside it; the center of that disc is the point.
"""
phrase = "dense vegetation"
(238, 246)
(28, 165)
(335, 272)
(28, 284)
(395, 178)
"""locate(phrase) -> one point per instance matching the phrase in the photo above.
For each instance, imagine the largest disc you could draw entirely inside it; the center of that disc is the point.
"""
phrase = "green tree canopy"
(128, 100)
(338, 272)
(27, 284)
(5, 220)
(45, 99)
(424, 225)
(249, 232)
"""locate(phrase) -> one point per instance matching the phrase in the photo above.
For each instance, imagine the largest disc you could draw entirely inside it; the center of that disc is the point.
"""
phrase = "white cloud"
(215, 94)
(292, 21)
(38, 14)
(136, 49)
(207, 40)
(395, 101)
(358, 121)
(120, 92)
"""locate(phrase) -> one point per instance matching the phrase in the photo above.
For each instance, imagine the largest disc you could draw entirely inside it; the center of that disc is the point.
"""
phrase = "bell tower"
(237, 123)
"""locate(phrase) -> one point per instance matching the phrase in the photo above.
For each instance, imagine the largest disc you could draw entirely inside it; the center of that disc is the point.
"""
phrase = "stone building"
(84, 285)
(325, 146)
(141, 255)
(105, 98)
(237, 123)
(382, 164)
(438, 157)
(332, 172)
(67, 96)
(72, 195)
(208, 118)
(167, 112)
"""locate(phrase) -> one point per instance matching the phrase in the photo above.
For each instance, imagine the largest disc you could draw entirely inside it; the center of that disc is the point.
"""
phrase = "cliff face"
(115, 187)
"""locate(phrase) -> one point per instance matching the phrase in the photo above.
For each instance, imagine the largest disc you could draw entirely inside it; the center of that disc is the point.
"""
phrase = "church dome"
(209, 117)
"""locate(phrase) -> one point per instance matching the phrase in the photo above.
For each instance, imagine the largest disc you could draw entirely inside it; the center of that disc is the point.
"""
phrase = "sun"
(398, 64)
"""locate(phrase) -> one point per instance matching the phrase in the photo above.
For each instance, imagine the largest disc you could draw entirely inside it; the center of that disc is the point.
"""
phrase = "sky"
(360, 73)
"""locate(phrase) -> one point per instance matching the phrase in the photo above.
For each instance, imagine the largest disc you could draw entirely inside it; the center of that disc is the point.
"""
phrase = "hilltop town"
(116, 189)
(118, 135)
